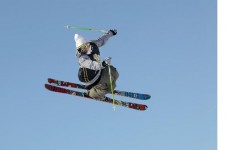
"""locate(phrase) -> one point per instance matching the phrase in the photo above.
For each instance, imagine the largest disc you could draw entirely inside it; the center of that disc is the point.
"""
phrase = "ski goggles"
(82, 47)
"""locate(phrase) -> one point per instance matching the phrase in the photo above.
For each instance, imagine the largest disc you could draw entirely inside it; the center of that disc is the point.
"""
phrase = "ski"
(108, 100)
(117, 92)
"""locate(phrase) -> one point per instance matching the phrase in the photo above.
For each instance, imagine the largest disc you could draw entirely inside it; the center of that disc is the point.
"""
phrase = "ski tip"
(140, 107)
(50, 80)
(47, 86)
(147, 96)
(143, 107)
(144, 96)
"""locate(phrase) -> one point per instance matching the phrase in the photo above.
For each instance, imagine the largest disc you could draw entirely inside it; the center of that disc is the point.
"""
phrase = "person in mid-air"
(93, 72)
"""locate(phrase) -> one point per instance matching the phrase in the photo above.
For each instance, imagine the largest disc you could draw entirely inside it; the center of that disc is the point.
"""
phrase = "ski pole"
(112, 90)
(84, 28)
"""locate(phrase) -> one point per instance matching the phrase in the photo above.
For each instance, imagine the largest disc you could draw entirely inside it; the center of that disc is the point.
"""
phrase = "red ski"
(107, 99)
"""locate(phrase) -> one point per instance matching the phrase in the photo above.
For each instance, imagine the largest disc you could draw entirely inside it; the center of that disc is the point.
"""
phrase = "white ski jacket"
(90, 64)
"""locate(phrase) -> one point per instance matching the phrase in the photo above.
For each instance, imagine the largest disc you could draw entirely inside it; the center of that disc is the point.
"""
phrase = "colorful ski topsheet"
(109, 100)
(117, 92)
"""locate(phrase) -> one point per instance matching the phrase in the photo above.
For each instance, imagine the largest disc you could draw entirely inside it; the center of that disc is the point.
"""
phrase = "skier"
(92, 72)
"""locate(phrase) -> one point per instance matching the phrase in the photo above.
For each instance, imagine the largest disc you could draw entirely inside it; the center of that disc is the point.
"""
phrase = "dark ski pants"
(103, 86)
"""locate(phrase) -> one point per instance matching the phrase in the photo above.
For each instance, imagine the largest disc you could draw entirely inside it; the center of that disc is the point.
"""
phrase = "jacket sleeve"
(103, 39)
(86, 62)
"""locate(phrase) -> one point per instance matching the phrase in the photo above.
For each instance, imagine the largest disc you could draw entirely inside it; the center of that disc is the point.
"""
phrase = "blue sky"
(167, 48)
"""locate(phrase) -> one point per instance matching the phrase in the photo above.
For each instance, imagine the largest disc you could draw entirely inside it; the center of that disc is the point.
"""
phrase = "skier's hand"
(106, 62)
(113, 31)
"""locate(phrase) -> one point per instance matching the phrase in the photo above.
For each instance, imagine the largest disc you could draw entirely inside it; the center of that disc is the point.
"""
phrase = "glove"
(113, 31)
(106, 62)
